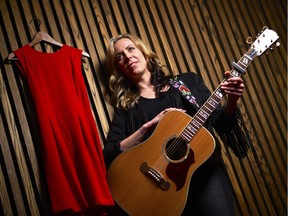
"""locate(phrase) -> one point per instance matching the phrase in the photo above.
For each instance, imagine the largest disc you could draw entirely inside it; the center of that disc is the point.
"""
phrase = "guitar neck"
(213, 101)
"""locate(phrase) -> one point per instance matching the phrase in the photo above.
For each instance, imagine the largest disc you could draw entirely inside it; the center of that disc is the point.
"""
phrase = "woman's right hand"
(152, 124)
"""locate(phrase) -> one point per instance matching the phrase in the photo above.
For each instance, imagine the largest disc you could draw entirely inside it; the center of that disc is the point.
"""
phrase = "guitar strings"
(161, 163)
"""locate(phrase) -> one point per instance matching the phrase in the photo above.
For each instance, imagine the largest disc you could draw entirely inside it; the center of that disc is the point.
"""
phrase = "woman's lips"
(132, 65)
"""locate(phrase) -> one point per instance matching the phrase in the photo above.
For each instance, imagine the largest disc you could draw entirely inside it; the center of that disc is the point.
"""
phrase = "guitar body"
(148, 179)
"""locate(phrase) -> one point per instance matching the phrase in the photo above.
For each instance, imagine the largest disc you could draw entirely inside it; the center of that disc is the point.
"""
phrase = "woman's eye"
(119, 57)
(131, 49)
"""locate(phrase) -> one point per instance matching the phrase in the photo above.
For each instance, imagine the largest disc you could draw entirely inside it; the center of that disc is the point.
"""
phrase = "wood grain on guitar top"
(153, 177)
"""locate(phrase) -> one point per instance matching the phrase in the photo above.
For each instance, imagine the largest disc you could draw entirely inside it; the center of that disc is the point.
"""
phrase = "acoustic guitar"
(152, 178)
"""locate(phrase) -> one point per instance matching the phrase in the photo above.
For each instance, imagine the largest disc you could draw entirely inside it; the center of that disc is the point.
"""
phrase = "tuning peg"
(277, 44)
(249, 40)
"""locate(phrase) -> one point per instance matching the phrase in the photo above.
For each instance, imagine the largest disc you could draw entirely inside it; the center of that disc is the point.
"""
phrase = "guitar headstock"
(263, 42)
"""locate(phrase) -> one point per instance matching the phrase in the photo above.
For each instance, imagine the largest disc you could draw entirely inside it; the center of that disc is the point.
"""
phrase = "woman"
(141, 94)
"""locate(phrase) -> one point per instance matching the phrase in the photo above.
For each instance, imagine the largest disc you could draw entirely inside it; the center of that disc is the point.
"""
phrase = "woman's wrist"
(119, 146)
(134, 139)
(230, 107)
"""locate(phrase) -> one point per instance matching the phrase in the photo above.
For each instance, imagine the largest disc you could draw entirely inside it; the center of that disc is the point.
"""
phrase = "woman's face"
(130, 59)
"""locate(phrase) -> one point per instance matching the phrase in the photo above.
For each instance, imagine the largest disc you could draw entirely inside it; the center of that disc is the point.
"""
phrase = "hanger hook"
(37, 23)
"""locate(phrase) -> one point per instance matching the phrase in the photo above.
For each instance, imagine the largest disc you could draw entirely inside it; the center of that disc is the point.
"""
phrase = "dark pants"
(210, 193)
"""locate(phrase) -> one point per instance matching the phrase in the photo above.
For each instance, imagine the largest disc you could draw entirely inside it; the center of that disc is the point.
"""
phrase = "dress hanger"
(42, 36)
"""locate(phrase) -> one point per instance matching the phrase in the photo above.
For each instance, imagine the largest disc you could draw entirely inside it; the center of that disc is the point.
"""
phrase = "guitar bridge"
(154, 175)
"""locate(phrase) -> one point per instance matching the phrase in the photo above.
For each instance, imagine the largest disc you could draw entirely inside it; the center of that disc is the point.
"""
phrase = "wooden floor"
(203, 36)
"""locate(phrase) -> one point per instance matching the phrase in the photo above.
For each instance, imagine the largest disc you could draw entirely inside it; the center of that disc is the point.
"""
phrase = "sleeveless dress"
(70, 144)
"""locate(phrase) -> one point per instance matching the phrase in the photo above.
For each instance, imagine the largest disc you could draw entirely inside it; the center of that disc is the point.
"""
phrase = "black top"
(154, 106)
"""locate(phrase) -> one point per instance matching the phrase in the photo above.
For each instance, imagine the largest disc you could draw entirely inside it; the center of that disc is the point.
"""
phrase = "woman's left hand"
(234, 88)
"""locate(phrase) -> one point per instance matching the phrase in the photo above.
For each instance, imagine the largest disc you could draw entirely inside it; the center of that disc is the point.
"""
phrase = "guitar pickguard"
(177, 172)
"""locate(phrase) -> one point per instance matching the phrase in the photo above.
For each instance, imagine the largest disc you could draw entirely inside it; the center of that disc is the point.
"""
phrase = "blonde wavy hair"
(124, 94)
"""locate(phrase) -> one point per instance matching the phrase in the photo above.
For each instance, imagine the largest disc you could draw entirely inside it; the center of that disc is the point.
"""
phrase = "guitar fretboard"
(212, 102)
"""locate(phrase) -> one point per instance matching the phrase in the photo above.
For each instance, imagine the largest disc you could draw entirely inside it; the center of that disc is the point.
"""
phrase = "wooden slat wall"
(189, 35)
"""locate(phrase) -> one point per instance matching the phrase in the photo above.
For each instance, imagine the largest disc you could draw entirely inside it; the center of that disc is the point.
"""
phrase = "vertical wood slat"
(188, 35)
(99, 38)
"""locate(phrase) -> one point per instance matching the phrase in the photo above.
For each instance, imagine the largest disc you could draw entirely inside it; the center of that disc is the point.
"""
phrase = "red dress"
(72, 154)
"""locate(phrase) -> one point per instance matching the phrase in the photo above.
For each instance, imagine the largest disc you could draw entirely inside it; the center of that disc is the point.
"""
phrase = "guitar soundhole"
(176, 149)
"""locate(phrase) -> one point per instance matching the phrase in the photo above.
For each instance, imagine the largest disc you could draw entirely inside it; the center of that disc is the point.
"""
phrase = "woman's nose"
(127, 56)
